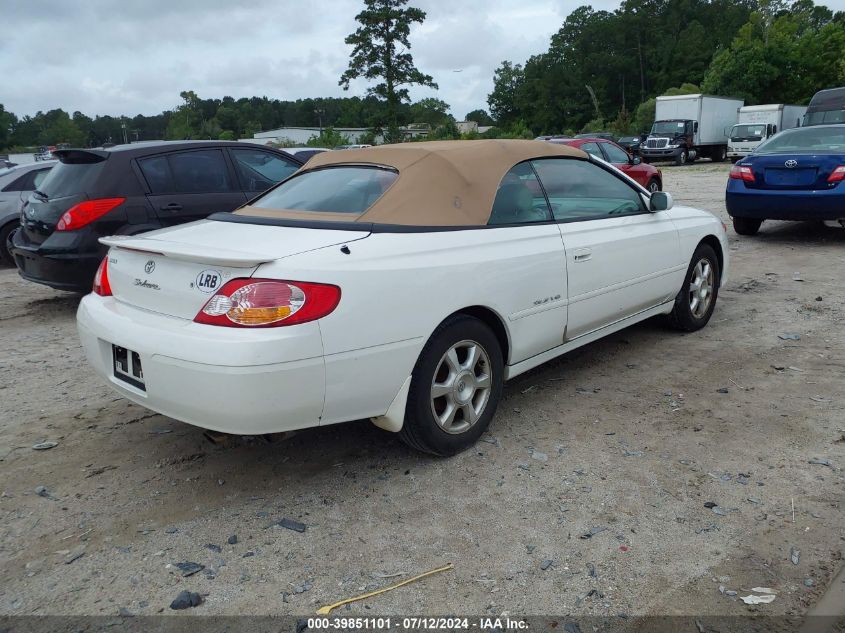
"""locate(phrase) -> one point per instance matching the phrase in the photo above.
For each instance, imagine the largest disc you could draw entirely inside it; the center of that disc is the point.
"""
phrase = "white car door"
(620, 257)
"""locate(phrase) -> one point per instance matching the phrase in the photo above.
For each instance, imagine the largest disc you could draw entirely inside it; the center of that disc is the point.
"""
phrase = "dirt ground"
(630, 438)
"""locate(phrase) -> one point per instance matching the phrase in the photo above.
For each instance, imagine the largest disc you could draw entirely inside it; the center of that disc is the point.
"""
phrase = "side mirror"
(660, 201)
(634, 160)
(695, 126)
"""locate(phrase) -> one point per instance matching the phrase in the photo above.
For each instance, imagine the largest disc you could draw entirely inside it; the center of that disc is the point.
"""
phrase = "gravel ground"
(630, 438)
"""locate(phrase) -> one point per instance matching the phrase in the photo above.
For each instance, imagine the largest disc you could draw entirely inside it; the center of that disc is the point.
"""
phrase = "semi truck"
(826, 106)
(688, 127)
(759, 122)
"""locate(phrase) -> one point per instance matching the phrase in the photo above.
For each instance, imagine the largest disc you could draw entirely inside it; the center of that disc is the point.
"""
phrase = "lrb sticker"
(209, 281)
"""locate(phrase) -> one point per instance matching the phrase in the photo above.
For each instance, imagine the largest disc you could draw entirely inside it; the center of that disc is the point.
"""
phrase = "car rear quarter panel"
(398, 287)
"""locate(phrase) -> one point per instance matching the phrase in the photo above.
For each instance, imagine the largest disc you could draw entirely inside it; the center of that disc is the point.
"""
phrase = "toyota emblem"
(149, 267)
(791, 163)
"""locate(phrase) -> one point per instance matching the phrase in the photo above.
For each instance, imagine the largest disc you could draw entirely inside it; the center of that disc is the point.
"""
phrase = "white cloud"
(135, 56)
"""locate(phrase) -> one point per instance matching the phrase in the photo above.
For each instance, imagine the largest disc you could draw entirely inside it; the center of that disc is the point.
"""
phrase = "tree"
(481, 117)
(432, 111)
(7, 126)
(508, 80)
(381, 51)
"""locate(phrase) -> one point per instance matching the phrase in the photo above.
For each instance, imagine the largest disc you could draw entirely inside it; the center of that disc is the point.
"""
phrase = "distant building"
(465, 127)
(301, 135)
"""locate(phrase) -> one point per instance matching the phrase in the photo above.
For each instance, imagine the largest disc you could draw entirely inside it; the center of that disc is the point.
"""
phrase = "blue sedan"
(798, 174)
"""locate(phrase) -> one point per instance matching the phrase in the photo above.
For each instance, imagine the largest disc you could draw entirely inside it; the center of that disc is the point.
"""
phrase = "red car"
(647, 175)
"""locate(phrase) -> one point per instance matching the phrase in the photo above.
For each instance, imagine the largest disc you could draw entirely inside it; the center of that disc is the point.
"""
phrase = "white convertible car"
(403, 283)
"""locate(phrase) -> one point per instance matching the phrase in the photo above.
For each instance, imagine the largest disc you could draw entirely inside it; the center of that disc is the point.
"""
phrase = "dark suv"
(129, 189)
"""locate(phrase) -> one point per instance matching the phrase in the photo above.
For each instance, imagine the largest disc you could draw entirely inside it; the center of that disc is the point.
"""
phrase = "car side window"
(592, 148)
(259, 170)
(197, 171)
(519, 198)
(156, 171)
(579, 190)
(614, 154)
(39, 177)
(23, 183)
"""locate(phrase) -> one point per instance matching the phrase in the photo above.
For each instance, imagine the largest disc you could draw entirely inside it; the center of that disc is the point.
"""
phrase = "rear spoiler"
(187, 252)
(80, 156)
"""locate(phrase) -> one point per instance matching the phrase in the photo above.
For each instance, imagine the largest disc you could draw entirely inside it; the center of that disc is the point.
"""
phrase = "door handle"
(173, 206)
(582, 255)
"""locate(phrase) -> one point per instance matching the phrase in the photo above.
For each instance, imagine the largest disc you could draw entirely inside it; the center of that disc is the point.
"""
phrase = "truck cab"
(745, 137)
(670, 140)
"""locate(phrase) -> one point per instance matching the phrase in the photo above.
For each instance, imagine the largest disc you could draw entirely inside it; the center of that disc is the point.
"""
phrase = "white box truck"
(687, 127)
(759, 122)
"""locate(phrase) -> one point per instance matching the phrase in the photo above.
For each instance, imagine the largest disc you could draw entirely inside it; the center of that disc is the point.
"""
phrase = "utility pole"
(320, 112)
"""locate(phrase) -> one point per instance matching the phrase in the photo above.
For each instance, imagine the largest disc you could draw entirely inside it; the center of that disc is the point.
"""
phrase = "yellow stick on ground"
(329, 608)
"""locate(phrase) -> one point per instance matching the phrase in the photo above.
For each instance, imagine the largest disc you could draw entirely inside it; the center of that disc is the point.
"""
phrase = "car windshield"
(750, 132)
(827, 116)
(344, 189)
(667, 127)
(809, 140)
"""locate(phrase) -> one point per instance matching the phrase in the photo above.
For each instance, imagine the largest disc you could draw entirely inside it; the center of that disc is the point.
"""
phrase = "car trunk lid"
(798, 171)
(176, 271)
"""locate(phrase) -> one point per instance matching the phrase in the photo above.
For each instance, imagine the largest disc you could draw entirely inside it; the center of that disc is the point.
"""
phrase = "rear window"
(806, 140)
(349, 189)
(71, 179)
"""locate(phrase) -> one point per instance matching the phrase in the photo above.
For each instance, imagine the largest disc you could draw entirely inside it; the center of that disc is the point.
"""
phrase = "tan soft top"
(440, 183)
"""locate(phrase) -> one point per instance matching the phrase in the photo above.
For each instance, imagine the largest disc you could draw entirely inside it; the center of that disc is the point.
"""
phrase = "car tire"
(681, 158)
(696, 300)
(653, 185)
(5, 233)
(455, 387)
(735, 159)
(719, 155)
(747, 226)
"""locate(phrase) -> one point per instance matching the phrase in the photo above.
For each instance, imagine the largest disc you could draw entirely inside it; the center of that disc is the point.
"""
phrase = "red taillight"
(268, 303)
(102, 286)
(86, 212)
(742, 172)
(837, 175)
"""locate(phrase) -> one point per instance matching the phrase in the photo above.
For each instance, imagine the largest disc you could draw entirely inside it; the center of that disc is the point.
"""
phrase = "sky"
(135, 56)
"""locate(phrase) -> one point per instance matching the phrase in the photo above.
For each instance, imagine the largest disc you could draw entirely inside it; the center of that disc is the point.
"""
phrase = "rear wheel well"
(494, 322)
(713, 242)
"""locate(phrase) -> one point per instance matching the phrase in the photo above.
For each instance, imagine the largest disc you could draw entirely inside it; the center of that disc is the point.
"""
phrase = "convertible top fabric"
(440, 183)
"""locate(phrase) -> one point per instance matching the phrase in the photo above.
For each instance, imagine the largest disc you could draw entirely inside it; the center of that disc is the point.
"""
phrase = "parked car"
(647, 175)
(798, 174)
(43, 153)
(356, 289)
(353, 146)
(129, 189)
(303, 154)
(605, 135)
(631, 144)
(16, 183)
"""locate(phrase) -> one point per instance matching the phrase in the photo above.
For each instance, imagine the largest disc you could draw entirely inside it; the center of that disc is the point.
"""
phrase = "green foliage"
(328, 138)
(644, 116)
(624, 56)
(445, 132)
(594, 125)
(432, 111)
(226, 135)
(781, 56)
(381, 51)
(481, 117)
(508, 80)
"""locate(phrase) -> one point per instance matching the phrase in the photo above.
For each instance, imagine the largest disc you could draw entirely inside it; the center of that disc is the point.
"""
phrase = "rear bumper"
(67, 263)
(224, 379)
(742, 202)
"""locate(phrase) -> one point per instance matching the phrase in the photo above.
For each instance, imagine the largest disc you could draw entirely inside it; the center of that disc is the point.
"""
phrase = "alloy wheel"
(701, 288)
(461, 387)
